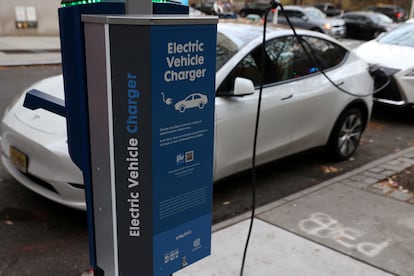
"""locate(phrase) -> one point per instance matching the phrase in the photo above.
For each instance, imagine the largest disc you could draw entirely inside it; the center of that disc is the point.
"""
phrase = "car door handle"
(287, 97)
(340, 83)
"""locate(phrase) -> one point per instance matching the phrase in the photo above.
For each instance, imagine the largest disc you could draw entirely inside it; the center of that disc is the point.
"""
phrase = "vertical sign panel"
(131, 105)
(183, 80)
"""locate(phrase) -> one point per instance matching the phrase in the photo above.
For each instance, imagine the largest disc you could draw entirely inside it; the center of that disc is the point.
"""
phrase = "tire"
(346, 134)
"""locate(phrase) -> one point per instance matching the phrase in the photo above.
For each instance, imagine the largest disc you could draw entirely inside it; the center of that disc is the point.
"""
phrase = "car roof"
(299, 7)
(242, 32)
(367, 13)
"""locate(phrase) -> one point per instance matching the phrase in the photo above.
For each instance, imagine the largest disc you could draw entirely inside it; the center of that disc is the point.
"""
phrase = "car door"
(235, 116)
(315, 101)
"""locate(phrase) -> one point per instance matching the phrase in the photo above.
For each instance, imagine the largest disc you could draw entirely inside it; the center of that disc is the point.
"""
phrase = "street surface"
(40, 237)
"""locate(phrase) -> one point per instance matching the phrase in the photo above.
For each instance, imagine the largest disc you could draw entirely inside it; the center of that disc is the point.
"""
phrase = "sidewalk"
(43, 50)
(349, 225)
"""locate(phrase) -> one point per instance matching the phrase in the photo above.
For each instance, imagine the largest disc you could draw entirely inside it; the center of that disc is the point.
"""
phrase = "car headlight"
(327, 26)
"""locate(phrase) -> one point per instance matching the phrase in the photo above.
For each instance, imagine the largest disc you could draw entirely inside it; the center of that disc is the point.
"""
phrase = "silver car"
(313, 19)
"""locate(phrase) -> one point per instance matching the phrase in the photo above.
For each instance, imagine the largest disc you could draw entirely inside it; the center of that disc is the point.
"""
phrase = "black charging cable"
(274, 5)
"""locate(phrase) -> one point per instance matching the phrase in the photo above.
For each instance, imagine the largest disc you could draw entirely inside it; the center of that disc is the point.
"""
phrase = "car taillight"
(399, 15)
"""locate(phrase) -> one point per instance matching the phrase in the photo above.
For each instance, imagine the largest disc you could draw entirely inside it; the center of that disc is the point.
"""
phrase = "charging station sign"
(160, 100)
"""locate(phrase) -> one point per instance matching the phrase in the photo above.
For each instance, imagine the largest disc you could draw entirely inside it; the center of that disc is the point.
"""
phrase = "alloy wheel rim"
(350, 135)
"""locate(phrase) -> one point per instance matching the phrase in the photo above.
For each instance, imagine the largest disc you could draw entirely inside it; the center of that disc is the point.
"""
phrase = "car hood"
(41, 119)
(386, 55)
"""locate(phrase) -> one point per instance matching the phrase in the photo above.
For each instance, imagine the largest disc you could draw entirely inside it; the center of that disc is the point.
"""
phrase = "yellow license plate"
(19, 159)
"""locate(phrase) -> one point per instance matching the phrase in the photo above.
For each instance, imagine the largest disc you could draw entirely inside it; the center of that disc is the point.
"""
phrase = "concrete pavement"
(29, 50)
(349, 225)
(352, 224)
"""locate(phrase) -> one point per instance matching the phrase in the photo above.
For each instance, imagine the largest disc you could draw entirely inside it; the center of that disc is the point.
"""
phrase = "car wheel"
(182, 108)
(346, 134)
(201, 105)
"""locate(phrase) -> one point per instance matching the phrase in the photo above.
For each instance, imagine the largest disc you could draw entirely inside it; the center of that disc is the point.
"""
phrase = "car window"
(328, 53)
(402, 35)
(314, 13)
(381, 18)
(293, 14)
(363, 19)
(285, 60)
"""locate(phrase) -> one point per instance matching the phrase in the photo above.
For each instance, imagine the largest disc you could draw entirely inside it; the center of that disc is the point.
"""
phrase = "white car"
(301, 109)
(394, 53)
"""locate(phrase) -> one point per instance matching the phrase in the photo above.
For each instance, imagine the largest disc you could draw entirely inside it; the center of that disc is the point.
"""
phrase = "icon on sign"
(180, 159)
(194, 100)
(189, 156)
(166, 100)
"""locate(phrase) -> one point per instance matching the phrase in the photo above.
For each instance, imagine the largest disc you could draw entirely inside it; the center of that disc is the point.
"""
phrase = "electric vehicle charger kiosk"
(151, 94)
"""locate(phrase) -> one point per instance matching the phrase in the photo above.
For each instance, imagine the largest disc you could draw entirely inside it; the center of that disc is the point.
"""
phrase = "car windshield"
(231, 40)
(381, 18)
(314, 13)
(403, 35)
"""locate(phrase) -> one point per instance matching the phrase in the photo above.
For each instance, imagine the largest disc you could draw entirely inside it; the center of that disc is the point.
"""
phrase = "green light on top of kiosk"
(170, 1)
(81, 2)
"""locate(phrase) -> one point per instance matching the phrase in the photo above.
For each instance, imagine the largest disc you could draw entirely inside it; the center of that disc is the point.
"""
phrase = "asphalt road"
(39, 237)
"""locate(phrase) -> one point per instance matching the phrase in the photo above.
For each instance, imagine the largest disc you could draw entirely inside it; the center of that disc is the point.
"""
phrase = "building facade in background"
(29, 17)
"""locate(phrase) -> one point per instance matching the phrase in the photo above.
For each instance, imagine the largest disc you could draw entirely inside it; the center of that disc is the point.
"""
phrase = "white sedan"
(394, 53)
(301, 109)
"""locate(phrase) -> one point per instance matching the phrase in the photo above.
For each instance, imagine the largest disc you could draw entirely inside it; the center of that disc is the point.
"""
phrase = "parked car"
(396, 13)
(311, 18)
(301, 109)
(206, 7)
(221, 8)
(329, 9)
(393, 52)
(366, 25)
(258, 7)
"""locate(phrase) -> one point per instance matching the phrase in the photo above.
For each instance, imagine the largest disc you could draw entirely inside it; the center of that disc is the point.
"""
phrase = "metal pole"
(138, 6)
(412, 9)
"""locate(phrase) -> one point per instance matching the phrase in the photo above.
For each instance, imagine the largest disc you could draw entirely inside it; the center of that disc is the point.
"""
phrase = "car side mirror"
(243, 86)
(305, 18)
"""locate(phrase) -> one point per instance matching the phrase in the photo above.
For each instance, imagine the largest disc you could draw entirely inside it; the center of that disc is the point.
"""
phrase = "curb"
(363, 178)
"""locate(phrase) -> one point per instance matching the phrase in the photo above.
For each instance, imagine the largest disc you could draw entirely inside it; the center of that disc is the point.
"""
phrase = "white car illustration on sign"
(193, 100)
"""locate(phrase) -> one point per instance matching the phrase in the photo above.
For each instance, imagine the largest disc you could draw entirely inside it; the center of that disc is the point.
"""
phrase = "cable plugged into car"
(377, 74)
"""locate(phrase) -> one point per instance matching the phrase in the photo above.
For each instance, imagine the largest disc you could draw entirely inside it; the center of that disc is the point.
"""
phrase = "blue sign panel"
(183, 80)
